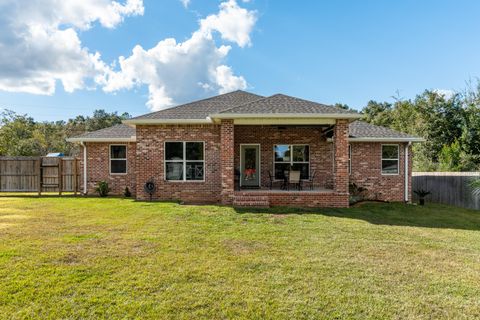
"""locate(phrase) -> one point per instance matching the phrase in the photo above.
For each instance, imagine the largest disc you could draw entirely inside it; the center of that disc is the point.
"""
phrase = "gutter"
(167, 121)
(373, 139)
(84, 167)
(406, 164)
(286, 115)
(80, 139)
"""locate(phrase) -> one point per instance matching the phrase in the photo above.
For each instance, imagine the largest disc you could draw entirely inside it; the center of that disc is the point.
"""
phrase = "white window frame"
(184, 161)
(110, 159)
(291, 158)
(349, 159)
(391, 159)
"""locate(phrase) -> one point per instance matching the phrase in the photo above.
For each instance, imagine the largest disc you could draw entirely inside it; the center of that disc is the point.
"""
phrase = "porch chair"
(311, 180)
(271, 180)
(294, 178)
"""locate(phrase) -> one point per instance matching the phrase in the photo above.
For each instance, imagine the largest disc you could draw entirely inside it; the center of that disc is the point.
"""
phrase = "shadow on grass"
(393, 214)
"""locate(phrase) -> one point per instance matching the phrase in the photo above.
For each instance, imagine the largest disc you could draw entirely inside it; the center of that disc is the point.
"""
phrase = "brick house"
(244, 149)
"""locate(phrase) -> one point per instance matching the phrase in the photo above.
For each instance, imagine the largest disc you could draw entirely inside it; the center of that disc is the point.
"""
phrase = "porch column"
(340, 143)
(227, 154)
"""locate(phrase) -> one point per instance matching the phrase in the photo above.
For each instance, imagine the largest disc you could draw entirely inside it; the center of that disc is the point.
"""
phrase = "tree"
(377, 113)
(20, 135)
(450, 125)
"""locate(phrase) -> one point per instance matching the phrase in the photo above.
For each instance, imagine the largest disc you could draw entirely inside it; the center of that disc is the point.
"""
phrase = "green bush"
(102, 188)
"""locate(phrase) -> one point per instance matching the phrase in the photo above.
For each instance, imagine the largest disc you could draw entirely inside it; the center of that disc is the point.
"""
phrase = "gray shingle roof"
(280, 103)
(203, 108)
(361, 129)
(241, 102)
(119, 131)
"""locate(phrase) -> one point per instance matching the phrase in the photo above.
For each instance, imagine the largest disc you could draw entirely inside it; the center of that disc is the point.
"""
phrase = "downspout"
(406, 164)
(84, 168)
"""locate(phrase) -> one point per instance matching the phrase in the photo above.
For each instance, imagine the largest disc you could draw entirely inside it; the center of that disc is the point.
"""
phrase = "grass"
(80, 258)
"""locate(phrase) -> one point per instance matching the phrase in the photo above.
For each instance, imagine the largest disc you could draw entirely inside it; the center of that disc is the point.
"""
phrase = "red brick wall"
(98, 168)
(145, 160)
(320, 150)
(340, 145)
(150, 163)
(318, 199)
(227, 133)
(367, 172)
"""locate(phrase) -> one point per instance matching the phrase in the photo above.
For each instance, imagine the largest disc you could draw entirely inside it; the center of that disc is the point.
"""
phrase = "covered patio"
(278, 162)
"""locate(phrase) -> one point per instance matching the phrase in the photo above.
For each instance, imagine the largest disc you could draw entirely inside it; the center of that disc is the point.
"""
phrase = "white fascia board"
(166, 121)
(286, 115)
(372, 139)
(80, 139)
(283, 121)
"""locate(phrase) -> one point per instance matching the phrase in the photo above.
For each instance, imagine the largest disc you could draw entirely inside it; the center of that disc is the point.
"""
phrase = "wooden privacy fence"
(451, 188)
(39, 174)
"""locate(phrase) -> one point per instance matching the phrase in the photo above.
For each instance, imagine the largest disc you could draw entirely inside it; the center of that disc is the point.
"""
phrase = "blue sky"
(326, 51)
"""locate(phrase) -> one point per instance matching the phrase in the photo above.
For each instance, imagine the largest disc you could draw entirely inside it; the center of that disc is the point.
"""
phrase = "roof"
(240, 104)
(54, 154)
(201, 109)
(359, 131)
(283, 104)
(363, 131)
(117, 133)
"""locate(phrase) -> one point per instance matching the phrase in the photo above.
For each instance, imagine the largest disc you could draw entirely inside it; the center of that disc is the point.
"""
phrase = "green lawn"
(115, 258)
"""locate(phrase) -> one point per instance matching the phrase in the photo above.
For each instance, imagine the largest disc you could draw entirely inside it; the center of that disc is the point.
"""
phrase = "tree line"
(21, 135)
(449, 123)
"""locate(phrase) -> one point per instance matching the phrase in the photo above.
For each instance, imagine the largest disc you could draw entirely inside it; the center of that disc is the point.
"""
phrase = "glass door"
(250, 165)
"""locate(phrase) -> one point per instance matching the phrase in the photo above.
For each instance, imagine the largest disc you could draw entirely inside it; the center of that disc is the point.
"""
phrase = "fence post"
(39, 176)
(60, 176)
(74, 176)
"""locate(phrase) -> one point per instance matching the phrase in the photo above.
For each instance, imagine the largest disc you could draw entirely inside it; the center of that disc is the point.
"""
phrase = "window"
(390, 158)
(118, 159)
(292, 157)
(184, 161)
(349, 158)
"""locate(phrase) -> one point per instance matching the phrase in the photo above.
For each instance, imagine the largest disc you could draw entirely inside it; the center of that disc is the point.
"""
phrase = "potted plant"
(102, 188)
(421, 196)
(250, 174)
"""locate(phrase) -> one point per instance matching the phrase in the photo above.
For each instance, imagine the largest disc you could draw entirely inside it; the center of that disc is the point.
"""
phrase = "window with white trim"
(118, 159)
(184, 161)
(390, 158)
(349, 158)
(294, 157)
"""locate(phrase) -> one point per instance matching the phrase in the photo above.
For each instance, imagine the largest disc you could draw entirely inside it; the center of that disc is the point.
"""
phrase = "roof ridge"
(243, 104)
(195, 101)
(290, 97)
(310, 101)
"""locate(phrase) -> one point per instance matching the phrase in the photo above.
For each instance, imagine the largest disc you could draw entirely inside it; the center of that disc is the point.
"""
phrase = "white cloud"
(40, 46)
(177, 72)
(39, 43)
(227, 81)
(232, 22)
(446, 93)
(185, 3)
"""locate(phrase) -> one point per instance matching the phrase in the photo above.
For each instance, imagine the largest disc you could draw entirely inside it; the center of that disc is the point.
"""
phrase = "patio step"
(252, 201)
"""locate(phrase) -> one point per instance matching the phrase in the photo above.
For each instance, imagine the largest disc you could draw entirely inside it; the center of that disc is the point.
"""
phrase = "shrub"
(357, 193)
(421, 195)
(102, 188)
